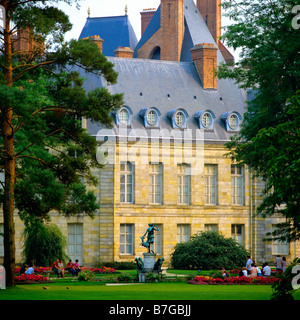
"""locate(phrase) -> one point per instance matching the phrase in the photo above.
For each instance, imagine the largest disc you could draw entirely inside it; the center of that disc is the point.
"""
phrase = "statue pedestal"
(149, 261)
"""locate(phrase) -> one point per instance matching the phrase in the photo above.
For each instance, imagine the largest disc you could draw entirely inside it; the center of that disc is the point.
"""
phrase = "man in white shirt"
(266, 270)
(278, 264)
(248, 264)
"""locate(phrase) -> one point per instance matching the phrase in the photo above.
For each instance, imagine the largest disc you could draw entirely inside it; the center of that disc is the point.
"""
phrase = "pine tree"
(45, 153)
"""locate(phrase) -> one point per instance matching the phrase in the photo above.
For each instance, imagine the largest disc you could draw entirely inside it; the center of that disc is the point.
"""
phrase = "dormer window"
(150, 117)
(232, 121)
(178, 118)
(123, 116)
(206, 119)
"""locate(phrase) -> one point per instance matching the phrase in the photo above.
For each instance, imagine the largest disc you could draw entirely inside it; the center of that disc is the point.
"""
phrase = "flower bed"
(31, 278)
(101, 270)
(233, 280)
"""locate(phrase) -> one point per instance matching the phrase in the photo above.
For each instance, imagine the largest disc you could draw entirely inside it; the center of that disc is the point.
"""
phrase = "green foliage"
(208, 251)
(43, 244)
(53, 153)
(268, 142)
(86, 275)
(152, 277)
(124, 277)
(119, 265)
(283, 290)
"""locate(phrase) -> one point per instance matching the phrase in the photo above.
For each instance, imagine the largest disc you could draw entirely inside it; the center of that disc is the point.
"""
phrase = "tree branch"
(31, 68)
(33, 158)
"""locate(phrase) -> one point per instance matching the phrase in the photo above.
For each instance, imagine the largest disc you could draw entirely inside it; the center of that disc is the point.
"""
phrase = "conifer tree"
(268, 33)
(45, 153)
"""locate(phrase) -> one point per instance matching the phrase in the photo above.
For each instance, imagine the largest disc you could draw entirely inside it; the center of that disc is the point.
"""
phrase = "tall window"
(158, 241)
(211, 227)
(75, 241)
(1, 240)
(281, 248)
(127, 182)
(126, 238)
(183, 183)
(237, 185)
(210, 175)
(238, 233)
(183, 232)
(156, 183)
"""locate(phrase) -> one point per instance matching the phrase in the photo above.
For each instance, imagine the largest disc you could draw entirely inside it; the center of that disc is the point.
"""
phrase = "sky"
(103, 8)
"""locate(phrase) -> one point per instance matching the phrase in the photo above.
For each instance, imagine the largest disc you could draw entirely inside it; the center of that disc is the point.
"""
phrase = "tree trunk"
(9, 162)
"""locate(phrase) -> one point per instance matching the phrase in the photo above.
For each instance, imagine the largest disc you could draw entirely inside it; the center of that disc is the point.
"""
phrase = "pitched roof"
(196, 31)
(166, 86)
(115, 31)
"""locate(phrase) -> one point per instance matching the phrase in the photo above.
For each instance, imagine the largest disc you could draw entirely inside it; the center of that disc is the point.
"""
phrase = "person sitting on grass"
(70, 268)
(225, 274)
(30, 270)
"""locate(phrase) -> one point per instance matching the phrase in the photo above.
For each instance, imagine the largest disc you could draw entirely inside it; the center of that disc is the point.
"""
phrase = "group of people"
(27, 269)
(59, 269)
(252, 271)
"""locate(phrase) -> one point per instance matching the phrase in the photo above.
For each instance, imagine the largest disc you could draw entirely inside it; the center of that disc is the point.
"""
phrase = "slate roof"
(115, 31)
(147, 83)
(167, 85)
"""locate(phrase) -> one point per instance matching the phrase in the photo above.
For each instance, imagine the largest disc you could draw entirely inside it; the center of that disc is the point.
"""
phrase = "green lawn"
(151, 291)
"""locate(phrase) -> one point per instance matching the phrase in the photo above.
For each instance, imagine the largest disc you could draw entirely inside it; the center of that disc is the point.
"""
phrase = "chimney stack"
(205, 58)
(211, 14)
(172, 29)
(124, 52)
(146, 17)
(96, 39)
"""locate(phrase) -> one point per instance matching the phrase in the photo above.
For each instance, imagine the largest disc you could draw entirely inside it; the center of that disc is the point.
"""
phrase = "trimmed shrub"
(208, 251)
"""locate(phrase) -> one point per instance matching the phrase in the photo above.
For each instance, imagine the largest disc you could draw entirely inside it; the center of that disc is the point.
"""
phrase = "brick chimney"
(146, 17)
(172, 29)
(212, 15)
(124, 52)
(205, 58)
(25, 44)
(96, 39)
(168, 39)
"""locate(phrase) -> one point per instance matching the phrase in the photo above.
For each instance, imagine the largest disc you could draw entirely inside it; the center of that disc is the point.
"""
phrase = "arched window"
(123, 116)
(232, 120)
(178, 118)
(150, 117)
(206, 119)
(155, 54)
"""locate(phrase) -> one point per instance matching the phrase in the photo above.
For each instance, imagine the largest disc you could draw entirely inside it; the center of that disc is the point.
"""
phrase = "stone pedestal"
(149, 261)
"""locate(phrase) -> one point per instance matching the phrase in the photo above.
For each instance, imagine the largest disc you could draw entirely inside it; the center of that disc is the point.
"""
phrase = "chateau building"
(165, 157)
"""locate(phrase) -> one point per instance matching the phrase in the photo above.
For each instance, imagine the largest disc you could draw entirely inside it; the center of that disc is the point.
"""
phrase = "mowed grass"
(151, 291)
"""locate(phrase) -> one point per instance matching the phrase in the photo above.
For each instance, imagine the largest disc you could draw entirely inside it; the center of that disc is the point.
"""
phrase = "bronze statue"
(140, 264)
(158, 264)
(150, 237)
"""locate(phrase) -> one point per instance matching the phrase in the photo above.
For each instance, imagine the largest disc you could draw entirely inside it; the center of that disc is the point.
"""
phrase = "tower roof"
(196, 31)
(116, 31)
